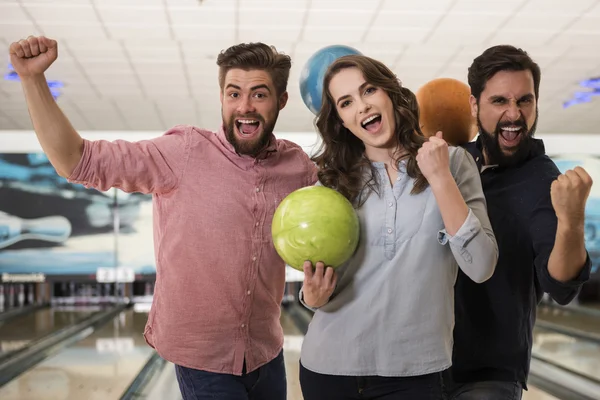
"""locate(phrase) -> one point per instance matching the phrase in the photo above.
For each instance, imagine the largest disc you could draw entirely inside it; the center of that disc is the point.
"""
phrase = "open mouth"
(247, 127)
(372, 123)
(511, 134)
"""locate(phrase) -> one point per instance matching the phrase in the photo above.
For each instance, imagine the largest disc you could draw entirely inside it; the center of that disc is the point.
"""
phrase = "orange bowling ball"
(444, 106)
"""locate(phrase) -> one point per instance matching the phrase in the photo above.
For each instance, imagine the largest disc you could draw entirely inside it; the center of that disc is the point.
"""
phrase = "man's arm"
(556, 227)
(59, 140)
(569, 193)
(150, 166)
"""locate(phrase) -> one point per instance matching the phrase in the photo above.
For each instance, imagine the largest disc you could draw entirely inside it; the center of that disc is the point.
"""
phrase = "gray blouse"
(392, 312)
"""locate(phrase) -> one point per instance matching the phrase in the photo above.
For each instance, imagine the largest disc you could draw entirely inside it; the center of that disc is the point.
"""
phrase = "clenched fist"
(318, 285)
(33, 56)
(569, 193)
(433, 159)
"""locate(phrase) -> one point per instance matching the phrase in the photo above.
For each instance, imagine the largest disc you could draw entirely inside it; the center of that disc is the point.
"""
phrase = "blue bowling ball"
(313, 72)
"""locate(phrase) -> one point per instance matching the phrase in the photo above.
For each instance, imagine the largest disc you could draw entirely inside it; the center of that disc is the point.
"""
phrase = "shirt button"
(389, 230)
(254, 258)
(243, 325)
(256, 224)
(257, 190)
(390, 204)
(248, 292)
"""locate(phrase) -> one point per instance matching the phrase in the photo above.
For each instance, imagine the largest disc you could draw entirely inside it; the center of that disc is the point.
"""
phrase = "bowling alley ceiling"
(145, 65)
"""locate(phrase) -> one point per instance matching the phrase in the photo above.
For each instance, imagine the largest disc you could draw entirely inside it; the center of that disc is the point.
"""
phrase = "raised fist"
(33, 56)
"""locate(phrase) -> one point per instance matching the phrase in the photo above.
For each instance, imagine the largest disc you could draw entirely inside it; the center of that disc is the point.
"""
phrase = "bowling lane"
(292, 344)
(569, 318)
(18, 332)
(577, 355)
(99, 367)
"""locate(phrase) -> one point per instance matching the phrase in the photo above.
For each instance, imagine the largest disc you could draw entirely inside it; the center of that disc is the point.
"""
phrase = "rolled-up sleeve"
(474, 244)
(147, 166)
(542, 229)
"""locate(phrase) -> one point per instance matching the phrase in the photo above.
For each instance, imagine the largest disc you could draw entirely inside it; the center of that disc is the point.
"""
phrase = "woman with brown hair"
(383, 321)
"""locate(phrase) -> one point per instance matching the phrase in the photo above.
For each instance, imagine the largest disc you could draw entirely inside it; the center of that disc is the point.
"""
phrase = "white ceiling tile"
(538, 20)
(152, 54)
(500, 8)
(344, 19)
(137, 3)
(27, 2)
(128, 15)
(283, 17)
(557, 6)
(203, 51)
(74, 29)
(15, 91)
(405, 19)
(578, 51)
(203, 16)
(397, 36)
(416, 55)
(13, 13)
(182, 3)
(578, 38)
(334, 34)
(521, 38)
(594, 11)
(8, 124)
(160, 85)
(168, 70)
(144, 65)
(147, 31)
(587, 23)
(341, 5)
(111, 90)
(13, 32)
(110, 67)
(59, 14)
(278, 36)
(271, 4)
(83, 48)
(204, 33)
(450, 37)
(120, 79)
(433, 6)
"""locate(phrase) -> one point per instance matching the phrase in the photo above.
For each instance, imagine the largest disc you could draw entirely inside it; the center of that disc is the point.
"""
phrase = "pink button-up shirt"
(219, 281)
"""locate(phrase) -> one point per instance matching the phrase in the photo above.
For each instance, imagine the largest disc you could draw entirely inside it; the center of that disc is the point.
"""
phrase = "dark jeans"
(332, 387)
(266, 383)
(489, 390)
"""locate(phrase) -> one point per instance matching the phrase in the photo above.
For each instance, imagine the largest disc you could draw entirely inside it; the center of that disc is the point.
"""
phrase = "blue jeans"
(266, 383)
(317, 386)
(489, 390)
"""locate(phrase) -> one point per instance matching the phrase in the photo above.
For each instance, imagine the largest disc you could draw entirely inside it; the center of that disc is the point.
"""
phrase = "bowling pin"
(70, 299)
(11, 295)
(20, 295)
(1, 297)
(31, 294)
(51, 229)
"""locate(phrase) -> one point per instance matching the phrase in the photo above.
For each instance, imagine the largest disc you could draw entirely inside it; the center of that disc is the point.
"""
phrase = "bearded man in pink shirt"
(219, 283)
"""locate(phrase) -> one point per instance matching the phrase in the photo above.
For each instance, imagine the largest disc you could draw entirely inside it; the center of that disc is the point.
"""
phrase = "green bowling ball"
(315, 223)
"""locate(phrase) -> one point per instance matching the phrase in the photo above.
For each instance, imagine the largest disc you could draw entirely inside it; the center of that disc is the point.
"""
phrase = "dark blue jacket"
(494, 320)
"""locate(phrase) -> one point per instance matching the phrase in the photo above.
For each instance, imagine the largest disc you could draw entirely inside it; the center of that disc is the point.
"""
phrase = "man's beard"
(491, 143)
(249, 147)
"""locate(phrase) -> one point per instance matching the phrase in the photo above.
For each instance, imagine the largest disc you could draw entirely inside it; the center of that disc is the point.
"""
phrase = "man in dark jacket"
(538, 218)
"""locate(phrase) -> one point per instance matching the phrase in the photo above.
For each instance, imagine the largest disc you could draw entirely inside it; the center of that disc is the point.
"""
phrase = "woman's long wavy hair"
(341, 158)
